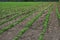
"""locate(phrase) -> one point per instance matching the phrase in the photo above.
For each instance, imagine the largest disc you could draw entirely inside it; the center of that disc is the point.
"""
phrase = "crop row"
(4, 13)
(45, 24)
(58, 15)
(28, 25)
(17, 22)
(17, 9)
(25, 11)
(9, 13)
(13, 24)
(15, 16)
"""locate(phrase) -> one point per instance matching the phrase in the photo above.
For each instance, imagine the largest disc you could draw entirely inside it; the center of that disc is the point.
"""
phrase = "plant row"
(28, 25)
(44, 27)
(14, 24)
(18, 9)
(45, 24)
(58, 15)
(9, 14)
(15, 16)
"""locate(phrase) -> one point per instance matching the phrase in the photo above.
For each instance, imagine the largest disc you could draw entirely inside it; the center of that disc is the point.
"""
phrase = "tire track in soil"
(53, 31)
(11, 33)
(34, 31)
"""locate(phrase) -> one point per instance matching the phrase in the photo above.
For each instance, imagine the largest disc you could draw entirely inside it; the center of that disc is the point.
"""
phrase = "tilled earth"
(33, 33)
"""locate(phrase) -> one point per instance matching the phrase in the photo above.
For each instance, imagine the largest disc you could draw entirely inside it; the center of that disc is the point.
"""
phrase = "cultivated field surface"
(29, 20)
